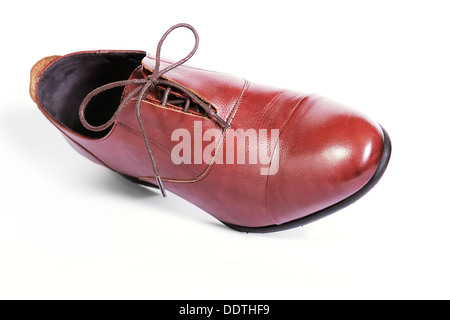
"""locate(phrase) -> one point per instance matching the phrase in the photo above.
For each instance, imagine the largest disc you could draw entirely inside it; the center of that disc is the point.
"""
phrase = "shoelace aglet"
(161, 187)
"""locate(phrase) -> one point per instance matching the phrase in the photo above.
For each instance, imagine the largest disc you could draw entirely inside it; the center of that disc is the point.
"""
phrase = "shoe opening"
(66, 82)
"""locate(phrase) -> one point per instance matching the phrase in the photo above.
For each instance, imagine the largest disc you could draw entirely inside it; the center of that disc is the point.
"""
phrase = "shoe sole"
(319, 214)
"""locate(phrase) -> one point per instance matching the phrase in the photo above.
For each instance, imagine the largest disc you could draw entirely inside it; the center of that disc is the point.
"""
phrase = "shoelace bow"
(144, 86)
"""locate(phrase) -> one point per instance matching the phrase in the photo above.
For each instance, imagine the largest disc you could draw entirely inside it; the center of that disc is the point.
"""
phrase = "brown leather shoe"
(258, 159)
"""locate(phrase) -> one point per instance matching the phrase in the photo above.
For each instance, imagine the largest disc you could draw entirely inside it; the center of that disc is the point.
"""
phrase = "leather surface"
(326, 151)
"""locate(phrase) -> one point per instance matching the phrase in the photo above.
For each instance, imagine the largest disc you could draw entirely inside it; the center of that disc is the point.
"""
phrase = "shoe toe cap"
(327, 152)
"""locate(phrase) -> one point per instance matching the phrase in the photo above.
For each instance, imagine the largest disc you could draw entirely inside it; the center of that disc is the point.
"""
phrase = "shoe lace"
(152, 82)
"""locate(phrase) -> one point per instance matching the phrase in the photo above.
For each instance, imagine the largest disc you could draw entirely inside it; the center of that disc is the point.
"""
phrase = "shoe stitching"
(208, 169)
(238, 102)
(281, 131)
(157, 144)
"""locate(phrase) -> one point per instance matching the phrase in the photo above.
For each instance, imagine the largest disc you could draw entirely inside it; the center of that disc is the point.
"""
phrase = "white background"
(70, 229)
